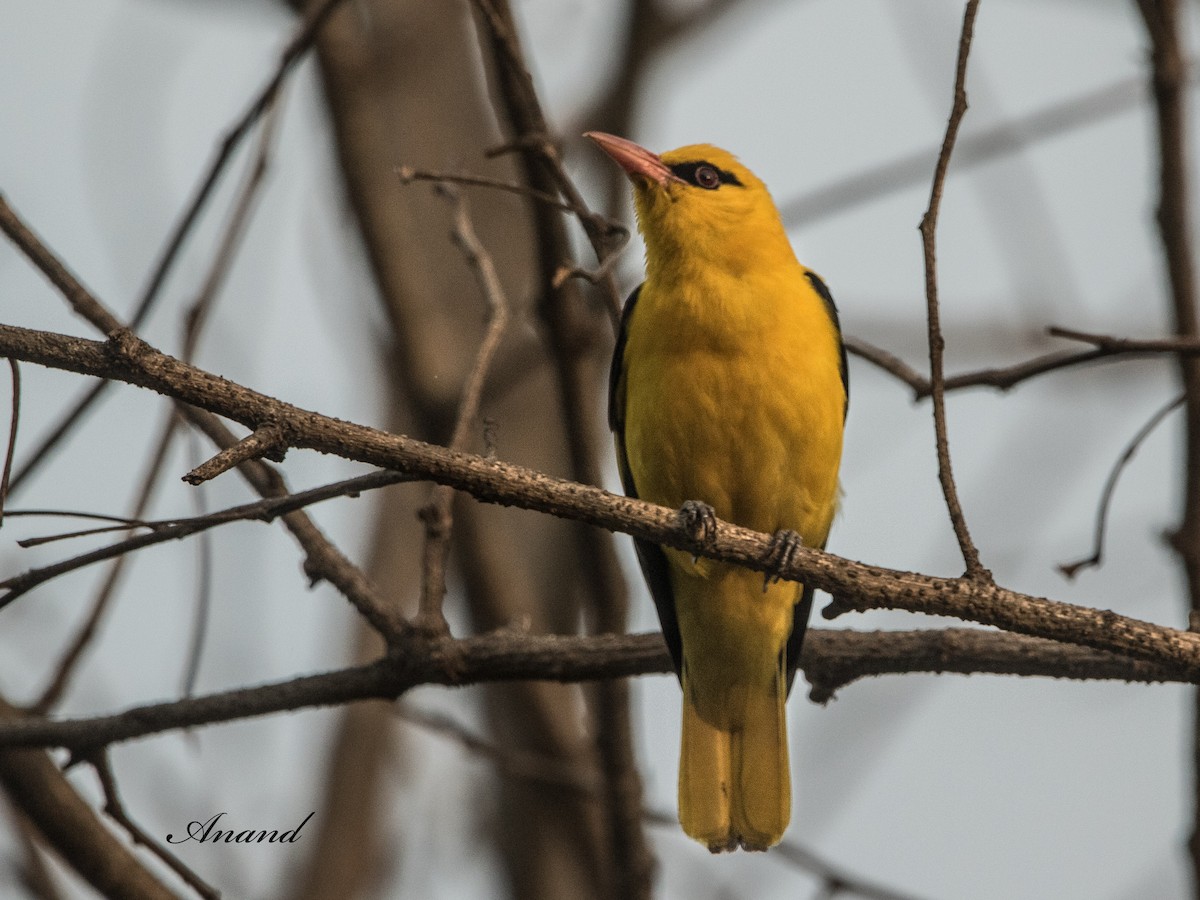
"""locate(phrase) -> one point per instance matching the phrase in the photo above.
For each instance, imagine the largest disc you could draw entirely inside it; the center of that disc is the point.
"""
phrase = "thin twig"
(78, 514)
(291, 56)
(438, 513)
(115, 810)
(890, 363)
(65, 425)
(618, 234)
(1071, 569)
(542, 158)
(235, 230)
(323, 560)
(69, 662)
(123, 523)
(80, 299)
(975, 569)
(1105, 348)
(408, 175)
(204, 582)
(1185, 346)
(13, 421)
(265, 510)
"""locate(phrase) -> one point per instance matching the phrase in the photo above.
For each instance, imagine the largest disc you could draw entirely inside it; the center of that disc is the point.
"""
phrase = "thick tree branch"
(855, 586)
(830, 660)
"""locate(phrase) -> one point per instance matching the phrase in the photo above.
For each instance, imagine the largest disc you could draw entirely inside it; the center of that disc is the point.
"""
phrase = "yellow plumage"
(728, 388)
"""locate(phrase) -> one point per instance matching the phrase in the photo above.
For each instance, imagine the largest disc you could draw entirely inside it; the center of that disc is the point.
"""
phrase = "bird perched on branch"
(728, 396)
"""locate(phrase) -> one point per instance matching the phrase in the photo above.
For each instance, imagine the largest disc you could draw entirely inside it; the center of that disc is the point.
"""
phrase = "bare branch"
(602, 582)
(1185, 346)
(854, 586)
(1164, 21)
(6, 471)
(266, 441)
(438, 513)
(1105, 347)
(80, 299)
(204, 579)
(937, 343)
(540, 155)
(115, 809)
(408, 175)
(889, 363)
(69, 825)
(235, 229)
(323, 560)
(295, 51)
(73, 655)
(1071, 569)
(831, 659)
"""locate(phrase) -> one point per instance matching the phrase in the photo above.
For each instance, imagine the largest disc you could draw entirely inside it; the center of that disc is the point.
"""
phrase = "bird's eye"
(707, 177)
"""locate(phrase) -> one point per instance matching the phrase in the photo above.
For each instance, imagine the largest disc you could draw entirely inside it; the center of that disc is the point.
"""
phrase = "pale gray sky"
(941, 787)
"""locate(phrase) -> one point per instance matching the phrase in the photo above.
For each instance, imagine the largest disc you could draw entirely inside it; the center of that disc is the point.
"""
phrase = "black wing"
(804, 607)
(820, 287)
(650, 556)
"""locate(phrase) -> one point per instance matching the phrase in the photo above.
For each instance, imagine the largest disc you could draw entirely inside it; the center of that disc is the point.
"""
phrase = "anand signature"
(207, 832)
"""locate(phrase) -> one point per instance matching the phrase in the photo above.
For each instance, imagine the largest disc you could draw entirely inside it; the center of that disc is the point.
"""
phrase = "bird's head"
(698, 203)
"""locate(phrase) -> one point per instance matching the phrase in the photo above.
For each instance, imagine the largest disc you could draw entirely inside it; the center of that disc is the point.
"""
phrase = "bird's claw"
(781, 554)
(699, 520)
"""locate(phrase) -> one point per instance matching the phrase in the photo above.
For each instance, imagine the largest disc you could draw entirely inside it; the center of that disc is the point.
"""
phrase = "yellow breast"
(733, 396)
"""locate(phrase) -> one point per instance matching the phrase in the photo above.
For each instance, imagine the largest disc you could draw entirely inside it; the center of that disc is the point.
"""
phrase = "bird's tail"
(734, 786)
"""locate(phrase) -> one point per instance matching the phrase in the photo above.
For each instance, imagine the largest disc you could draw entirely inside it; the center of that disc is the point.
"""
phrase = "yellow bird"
(728, 396)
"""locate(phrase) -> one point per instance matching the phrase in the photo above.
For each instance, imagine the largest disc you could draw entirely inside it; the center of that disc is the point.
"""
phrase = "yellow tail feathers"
(734, 785)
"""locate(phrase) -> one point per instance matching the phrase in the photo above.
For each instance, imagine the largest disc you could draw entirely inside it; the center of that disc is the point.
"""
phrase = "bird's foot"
(781, 554)
(699, 520)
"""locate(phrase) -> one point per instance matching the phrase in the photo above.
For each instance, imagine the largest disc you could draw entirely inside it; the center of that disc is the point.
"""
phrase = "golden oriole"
(727, 396)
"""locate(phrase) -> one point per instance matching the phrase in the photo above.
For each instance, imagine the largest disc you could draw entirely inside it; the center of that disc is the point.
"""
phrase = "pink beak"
(635, 159)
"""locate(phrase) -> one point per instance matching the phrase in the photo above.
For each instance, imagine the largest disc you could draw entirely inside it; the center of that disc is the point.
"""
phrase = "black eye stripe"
(687, 171)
